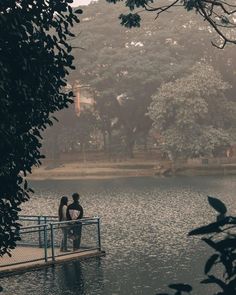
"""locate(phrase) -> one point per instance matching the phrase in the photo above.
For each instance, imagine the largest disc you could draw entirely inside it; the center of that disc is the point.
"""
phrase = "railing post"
(45, 243)
(40, 237)
(99, 234)
(52, 241)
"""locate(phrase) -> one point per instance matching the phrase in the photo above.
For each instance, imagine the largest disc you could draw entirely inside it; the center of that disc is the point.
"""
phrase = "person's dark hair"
(64, 201)
(75, 197)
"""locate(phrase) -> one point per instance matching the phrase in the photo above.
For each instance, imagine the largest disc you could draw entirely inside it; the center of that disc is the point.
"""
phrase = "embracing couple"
(72, 212)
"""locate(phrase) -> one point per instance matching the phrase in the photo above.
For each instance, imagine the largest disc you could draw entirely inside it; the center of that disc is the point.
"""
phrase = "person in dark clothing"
(75, 212)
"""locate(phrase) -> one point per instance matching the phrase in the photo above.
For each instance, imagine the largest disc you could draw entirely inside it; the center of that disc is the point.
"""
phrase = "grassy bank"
(131, 168)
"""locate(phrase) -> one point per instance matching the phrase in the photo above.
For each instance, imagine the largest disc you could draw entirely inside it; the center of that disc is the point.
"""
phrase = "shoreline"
(93, 171)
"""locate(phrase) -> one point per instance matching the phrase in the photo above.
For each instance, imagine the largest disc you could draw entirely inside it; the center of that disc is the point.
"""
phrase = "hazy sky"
(80, 2)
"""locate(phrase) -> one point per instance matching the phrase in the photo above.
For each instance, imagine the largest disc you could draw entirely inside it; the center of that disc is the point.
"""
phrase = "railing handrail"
(37, 216)
(90, 220)
(48, 216)
(45, 237)
(33, 226)
(86, 219)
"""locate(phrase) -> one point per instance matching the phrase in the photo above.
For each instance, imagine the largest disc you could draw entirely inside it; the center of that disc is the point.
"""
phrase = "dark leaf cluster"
(35, 59)
(130, 20)
(221, 237)
(190, 4)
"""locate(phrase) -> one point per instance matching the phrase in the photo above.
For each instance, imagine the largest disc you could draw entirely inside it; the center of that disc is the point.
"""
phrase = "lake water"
(145, 222)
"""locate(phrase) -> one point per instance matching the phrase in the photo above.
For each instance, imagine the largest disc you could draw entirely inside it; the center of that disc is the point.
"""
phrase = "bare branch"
(215, 26)
(215, 12)
(161, 9)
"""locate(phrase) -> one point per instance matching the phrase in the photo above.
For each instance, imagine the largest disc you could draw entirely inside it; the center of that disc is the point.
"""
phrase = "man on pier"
(75, 212)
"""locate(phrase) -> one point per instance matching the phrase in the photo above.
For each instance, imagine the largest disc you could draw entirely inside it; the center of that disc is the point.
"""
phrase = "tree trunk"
(109, 144)
(83, 152)
(145, 144)
(130, 146)
(104, 141)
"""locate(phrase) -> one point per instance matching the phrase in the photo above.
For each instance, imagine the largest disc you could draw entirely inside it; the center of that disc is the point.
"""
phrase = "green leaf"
(224, 19)
(206, 229)
(218, 205)
(130, 20)
(210, 262)
(181, 287)
(226, 244)
(25, 184)
(232, 284)
(227, 262)
(78, 11)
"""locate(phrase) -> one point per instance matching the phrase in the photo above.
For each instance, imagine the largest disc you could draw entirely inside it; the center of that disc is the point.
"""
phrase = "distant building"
(83, 98)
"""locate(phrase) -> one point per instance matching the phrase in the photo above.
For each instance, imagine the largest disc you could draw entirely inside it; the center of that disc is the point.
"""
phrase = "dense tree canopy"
(193, 114)
(34, 65)
(125, 67)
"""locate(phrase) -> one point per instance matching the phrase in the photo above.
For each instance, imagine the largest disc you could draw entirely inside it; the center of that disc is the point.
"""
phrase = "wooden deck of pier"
(21, 256)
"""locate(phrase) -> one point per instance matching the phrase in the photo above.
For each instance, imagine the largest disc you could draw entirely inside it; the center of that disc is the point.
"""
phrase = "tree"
(34, 59)
(86, 126)
(218, 13)
(124, 71)
(193, 114)
(59, 137)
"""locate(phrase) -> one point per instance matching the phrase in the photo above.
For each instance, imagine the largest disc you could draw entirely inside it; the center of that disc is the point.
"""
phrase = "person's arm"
(64, 213)
(68, 214)
(81, 212)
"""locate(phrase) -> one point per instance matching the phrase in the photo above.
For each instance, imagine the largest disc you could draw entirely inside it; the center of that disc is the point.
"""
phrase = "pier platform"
(40, 242)
(19, 260)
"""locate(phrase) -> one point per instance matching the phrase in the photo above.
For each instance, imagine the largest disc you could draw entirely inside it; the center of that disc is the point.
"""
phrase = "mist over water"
(145, 222)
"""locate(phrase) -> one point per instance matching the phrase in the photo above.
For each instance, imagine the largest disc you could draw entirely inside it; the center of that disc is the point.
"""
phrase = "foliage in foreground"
(34, 65)
(221, 237)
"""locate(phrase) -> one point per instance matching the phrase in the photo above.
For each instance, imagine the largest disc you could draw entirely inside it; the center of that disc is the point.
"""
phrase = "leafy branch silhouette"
(221, 237)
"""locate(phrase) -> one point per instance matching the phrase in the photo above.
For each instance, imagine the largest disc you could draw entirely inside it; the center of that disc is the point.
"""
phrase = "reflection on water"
(145, 222)
(84, 277)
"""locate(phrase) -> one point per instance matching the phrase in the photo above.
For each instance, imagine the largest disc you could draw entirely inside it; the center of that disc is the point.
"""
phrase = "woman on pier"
(62, 217)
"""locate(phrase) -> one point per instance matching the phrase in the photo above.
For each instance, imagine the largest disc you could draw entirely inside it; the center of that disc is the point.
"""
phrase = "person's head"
(75, 197)
(64, 201)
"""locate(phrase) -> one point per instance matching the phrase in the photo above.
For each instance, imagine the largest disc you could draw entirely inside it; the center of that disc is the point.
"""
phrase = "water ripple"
(145, 222)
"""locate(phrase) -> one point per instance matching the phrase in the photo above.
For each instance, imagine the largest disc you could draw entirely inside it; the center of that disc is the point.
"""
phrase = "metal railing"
(48, 239)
